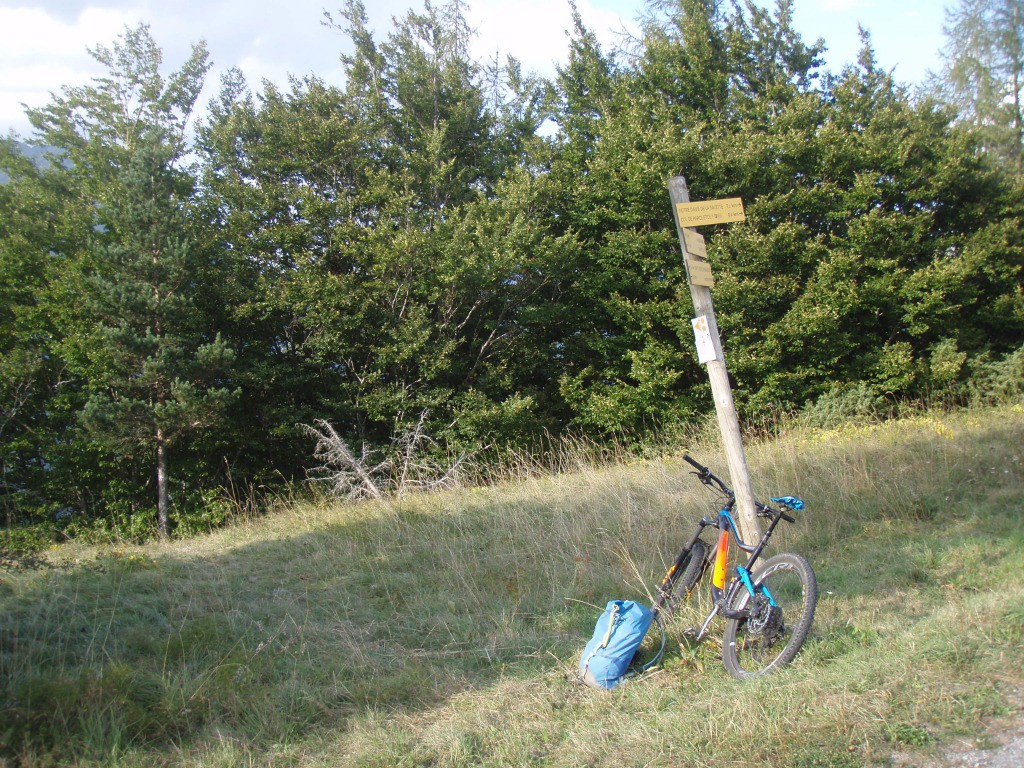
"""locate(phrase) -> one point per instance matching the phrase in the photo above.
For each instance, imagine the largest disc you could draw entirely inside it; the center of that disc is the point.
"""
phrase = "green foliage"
(394, 236)
(867, 212)
(999, 381)
(444, 236)
(853, 404)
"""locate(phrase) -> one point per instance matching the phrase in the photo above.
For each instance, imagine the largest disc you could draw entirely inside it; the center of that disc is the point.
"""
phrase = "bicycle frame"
(763, 631)
(723, 589)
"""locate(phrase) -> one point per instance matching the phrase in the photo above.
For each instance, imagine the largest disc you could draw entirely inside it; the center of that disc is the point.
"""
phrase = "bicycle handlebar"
(765, 511)
(708, 477)
(690, 460)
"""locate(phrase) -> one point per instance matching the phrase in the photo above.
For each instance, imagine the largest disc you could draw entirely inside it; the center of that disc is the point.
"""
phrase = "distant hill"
(36, 153)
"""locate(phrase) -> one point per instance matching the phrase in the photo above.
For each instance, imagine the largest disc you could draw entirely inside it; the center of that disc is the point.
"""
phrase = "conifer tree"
(153, 371)
(983, 75)
(128, 299)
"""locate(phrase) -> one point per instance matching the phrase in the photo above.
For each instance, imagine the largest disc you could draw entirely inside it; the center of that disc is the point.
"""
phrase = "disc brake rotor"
(767, 623)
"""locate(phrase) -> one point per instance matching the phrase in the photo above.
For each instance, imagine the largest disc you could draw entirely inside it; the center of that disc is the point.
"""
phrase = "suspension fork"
(667, 583)
(719, 572)
(721, 567)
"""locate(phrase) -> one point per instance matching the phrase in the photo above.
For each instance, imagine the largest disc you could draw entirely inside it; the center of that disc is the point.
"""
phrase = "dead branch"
(409, 466)
(344, 473)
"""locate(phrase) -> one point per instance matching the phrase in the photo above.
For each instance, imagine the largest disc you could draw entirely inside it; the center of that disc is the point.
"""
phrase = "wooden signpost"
(698, 270)
(709, 345)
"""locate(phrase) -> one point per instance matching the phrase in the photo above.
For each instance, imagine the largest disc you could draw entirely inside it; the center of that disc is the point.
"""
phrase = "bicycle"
(768, 610)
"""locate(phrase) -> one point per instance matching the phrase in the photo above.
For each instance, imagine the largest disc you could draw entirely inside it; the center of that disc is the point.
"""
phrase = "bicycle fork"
(666, 585)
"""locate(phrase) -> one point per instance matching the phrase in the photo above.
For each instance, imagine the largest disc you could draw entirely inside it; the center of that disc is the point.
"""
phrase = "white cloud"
(34, 32)
(534, 31)
(42, 52)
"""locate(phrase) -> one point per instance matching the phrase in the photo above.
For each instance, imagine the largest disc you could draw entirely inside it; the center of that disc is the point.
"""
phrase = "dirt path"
(1001, 745)
(1008, 751)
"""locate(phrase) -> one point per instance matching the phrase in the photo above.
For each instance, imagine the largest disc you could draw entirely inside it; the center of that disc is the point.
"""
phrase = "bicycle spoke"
(774, 633)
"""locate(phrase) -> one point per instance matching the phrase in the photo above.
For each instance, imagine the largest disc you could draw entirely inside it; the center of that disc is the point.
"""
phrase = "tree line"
(479, 252)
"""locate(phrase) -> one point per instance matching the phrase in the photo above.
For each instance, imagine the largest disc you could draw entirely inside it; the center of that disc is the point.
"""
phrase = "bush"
(1000, 381)
(843, 404)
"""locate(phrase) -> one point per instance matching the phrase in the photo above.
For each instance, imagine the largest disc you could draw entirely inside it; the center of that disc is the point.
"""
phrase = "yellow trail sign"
(710, 212)
(698, 271)
(695, 253)
(695, 244)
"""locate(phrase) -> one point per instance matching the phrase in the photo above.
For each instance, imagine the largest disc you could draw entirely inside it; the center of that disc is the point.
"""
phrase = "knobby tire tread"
(691, 574)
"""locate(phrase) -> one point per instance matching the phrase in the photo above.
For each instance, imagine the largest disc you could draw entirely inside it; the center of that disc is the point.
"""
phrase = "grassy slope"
(439, 630)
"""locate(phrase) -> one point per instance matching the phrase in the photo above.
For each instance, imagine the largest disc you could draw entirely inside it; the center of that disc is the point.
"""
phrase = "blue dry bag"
(618, 634)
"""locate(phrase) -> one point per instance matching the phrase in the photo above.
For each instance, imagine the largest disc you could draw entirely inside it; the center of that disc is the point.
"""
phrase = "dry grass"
(439, 629)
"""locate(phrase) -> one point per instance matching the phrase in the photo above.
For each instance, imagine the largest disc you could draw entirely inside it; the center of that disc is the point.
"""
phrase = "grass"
(440, 630)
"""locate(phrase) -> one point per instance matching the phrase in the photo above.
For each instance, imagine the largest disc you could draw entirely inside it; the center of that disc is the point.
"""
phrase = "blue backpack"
(619, 632)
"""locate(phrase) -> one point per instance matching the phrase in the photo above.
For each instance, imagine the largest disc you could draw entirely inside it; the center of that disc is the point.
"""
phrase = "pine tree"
(153, 371)
(129, 290)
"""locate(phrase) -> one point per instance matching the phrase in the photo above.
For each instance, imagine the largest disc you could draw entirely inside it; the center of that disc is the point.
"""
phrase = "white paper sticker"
(705, 346)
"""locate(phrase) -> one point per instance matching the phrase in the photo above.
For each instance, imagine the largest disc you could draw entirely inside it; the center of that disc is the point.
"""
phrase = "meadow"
(444, 629)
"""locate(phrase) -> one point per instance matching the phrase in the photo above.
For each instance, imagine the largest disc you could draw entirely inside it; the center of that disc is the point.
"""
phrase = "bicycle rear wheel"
(775, 633)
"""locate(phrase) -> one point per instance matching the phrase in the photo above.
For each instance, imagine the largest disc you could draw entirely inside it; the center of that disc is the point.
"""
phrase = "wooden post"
(725, 407)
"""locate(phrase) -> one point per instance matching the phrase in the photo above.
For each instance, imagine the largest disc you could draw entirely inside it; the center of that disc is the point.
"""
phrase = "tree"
(382, 236)
(873, 225)
(983, 75)
(28, 368)
(700, 96)
(879, 243)
(129, 299)
(153, 371)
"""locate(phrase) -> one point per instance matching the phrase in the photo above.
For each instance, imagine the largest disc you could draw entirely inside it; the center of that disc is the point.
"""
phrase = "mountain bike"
(768, 607)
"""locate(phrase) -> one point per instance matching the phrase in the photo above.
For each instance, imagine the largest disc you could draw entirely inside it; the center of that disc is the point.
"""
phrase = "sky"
(45, 43)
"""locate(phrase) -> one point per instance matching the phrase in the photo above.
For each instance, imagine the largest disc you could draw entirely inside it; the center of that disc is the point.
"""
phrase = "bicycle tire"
(772, 639)
(692, 569)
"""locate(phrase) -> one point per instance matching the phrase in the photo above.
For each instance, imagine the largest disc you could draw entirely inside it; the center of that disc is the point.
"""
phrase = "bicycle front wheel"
(785, 595)
(689, 572)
